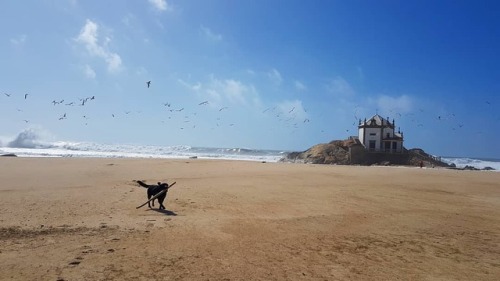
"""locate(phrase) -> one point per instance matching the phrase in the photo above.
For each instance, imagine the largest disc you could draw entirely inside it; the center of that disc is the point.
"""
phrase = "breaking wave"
(32, 143)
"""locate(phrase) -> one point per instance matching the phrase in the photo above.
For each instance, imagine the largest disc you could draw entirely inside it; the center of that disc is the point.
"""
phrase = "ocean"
(29, 144)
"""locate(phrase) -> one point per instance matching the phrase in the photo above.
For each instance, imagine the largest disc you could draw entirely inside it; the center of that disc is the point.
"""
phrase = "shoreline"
(465, 168)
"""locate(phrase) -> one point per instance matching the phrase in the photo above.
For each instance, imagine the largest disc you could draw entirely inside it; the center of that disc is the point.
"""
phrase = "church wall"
(373, 134)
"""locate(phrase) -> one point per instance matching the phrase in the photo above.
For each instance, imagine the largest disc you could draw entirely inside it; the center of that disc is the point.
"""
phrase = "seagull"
(8, 95)
(148, 83)
(203, 103)
(26, 121)
(25, 96)
(291, 110)
(225, 107)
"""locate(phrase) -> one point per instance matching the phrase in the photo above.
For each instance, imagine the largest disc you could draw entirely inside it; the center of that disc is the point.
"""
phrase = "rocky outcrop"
(350, 152)
(335, 152)
(417, 155)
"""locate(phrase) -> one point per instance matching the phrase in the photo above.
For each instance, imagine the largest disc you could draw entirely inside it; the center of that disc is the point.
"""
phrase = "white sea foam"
(29, 144)
(461, 162)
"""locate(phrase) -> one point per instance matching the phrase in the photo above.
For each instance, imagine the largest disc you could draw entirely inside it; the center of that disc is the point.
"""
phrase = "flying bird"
(203, 103)
(25, 96)
(148, 83)
(225, 107)
(8, 95)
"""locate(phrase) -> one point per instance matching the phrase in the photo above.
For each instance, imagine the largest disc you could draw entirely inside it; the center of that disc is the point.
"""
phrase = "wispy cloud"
(89, 38)
(193, 87)
(300, 86)
(209, 34)
(18, 40)
(392, 105)
(222, 91)
(89, 72)
(340, 87)
(275, 76)
(160, 5)
(292, 109)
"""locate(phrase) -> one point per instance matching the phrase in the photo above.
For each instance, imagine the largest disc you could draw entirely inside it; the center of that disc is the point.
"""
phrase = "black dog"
(154, 189)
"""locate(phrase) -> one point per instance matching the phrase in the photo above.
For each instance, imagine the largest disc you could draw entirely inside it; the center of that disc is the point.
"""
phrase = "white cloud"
(250, 72)
(235, 91)
(89, 72)
(221, 91)
(393, 105)
(232, 91)
(160, 5)
(300, 86)
(193, 87)
(128, 19)
(18, 40)
(340, 87)
(89, 38)
(209, 34)
(275, 76)
(292, 109)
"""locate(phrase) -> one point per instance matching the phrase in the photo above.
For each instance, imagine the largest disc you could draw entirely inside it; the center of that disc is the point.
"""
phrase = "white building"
(378, 135)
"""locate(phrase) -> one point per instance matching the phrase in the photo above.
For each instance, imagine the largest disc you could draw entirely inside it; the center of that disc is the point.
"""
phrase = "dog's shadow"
(165, 212)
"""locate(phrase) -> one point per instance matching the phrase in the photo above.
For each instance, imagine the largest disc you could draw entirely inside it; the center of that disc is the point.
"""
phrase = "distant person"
(421, 164)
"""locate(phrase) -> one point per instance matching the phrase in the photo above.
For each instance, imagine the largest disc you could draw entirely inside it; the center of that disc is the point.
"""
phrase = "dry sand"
(76, 219)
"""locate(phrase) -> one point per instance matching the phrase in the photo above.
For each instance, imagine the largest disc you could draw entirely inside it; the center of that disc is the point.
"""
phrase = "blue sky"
(257, 74)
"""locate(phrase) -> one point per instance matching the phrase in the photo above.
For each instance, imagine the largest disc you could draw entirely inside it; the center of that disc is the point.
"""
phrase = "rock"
(470, 168)
(325, 153)
(9, 155)
(351, 152)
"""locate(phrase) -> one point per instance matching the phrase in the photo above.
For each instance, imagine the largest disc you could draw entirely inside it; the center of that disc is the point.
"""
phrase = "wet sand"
(76, 219)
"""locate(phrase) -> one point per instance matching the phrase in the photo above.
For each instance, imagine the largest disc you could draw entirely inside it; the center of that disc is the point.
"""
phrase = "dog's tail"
(141, 183)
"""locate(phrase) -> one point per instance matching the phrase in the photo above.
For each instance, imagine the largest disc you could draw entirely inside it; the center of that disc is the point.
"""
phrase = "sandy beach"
(76, 219)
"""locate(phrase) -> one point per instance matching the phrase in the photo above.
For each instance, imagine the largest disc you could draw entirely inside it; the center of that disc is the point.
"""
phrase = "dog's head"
(163, 185)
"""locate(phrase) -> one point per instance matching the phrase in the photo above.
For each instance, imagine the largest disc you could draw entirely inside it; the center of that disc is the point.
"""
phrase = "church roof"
(376, 121)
